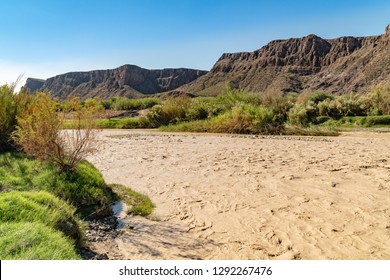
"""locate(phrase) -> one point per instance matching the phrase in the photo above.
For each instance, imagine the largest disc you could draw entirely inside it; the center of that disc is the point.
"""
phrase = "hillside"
(346, 64)
(127, 80)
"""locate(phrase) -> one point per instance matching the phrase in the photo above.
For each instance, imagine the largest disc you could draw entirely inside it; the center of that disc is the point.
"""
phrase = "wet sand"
(244, 197)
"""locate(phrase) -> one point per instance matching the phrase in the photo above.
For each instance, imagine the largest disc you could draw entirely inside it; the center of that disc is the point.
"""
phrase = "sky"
(44, 38)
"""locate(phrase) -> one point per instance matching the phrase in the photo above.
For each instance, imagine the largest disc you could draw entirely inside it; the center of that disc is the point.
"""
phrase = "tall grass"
(11, 104)
(123, 103)
(139, 204)
(85, 188)
(41, 207)
(34, 241)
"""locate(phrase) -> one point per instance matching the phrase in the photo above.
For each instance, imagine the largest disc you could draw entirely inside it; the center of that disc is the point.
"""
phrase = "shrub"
(11, 105)
(39, 132)
(352, 105)
(379, 98)
(378, 120)
(278, 103)
(34, 241)
(123, 103)
(297, 115)
(318, 96)
(172, 111)
(93, 104)
(244, 119)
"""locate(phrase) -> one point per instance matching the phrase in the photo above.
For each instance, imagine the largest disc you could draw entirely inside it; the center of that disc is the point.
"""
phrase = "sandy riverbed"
(224, 197)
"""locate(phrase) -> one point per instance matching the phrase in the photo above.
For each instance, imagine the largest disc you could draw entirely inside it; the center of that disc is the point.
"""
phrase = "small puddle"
(119, 210)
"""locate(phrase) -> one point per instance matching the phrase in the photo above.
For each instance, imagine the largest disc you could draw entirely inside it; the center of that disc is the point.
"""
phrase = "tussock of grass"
(124, 123)
(34, 241)
(41, 207)
(84, 188)
(139, 204)
(123, 103)
(309, 131)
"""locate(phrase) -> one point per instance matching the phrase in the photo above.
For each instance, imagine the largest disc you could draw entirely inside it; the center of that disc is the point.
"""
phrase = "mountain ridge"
(127, 80)
(340, 65)
(310, 63)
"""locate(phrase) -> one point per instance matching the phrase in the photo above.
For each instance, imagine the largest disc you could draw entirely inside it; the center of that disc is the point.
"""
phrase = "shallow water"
(119, 210)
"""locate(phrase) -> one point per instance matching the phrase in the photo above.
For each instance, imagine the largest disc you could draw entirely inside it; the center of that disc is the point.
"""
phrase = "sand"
(244, 197)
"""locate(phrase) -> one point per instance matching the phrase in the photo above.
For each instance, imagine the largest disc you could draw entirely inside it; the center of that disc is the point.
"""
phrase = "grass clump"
(84, 188)
(123, 103)
(41, 207)
(139, 204)
(34, 241)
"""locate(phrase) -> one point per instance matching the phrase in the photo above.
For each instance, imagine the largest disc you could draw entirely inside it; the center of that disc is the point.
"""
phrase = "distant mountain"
(341, 65)
(127, 80)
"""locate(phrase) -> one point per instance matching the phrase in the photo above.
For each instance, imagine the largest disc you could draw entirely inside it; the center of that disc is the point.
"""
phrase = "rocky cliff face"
(341, 65)
(127, 80)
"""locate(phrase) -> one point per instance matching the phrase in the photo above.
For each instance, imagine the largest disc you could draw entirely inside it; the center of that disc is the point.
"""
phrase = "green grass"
(310, 131)
(114, 123)
(125, 123)
(34, 241)
(85, 188)
(359, 122)
(122, 103)
(139, 204)
(41, 207)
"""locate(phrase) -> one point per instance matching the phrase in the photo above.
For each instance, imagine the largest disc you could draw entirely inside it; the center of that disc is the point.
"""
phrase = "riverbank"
(253, 197)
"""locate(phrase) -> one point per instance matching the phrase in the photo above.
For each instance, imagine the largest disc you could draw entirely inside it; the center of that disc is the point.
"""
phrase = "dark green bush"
(11, 105)
(378, 120)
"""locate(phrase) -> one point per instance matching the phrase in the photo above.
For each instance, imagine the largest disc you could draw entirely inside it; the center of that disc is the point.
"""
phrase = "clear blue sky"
(43, 38)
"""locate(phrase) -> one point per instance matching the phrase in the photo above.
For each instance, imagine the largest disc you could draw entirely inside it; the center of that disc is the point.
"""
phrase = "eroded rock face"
(34, 84)
(342, 65)
(127, 80)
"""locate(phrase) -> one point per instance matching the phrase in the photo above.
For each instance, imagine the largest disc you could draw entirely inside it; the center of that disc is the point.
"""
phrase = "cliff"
(341, 65)
(127, 80)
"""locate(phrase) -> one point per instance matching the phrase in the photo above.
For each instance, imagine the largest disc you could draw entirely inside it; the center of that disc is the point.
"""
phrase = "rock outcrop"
(127, 80)
(341, 65)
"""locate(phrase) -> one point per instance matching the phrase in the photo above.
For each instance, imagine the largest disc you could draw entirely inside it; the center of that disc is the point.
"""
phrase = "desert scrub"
(41, 207)
(39, 134)
(244, 118)
(11, 105)
(139, 204)
(34, 241)
(173, 110)
(84, 188)
(123, 103)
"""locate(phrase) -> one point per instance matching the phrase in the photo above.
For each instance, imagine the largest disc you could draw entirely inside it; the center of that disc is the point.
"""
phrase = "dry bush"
(379, 98)
(39, 132)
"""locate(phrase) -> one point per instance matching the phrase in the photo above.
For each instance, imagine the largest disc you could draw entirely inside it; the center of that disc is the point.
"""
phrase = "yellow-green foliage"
(38, 128)
(297, 115)
(34, 241)
(41, 207)
(379, 98)
(39, 132)
(139, 204)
